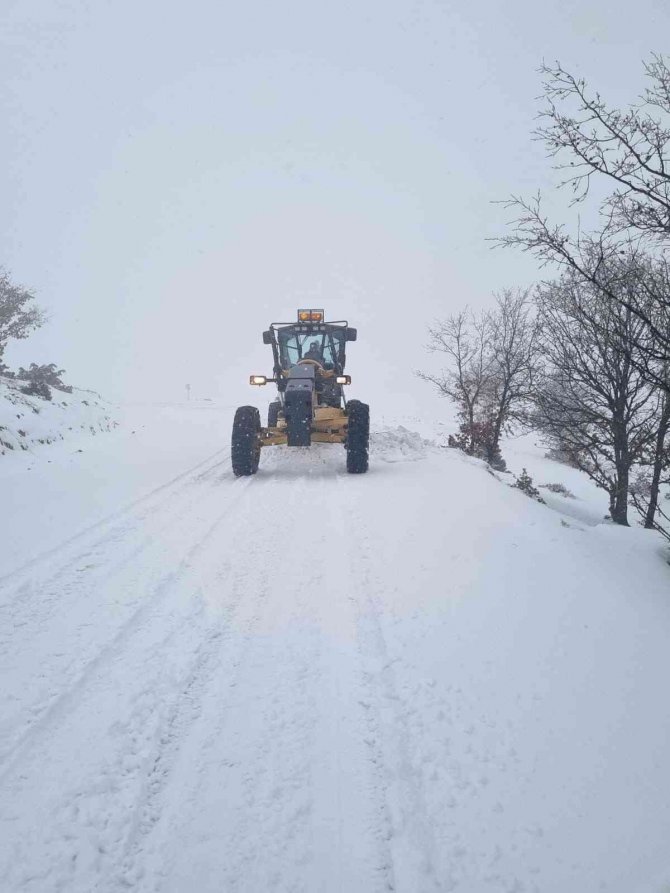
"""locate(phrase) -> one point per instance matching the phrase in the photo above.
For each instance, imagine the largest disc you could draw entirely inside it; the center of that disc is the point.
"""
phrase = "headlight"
(258, 379)
(343, 379)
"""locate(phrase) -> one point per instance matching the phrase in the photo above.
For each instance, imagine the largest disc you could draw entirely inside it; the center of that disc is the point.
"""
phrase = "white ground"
(28, 422)
(414, 680)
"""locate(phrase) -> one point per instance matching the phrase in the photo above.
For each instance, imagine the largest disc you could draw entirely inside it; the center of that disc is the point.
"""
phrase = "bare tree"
(620, 270)
(629, 147)
(18, 316)
(513, 366)
(608, 317)
(630, 279)
(463, 339)
(593, 401)
(491, 361)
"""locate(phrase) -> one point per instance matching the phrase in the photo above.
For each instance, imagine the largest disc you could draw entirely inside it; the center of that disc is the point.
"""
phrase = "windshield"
(326, 348)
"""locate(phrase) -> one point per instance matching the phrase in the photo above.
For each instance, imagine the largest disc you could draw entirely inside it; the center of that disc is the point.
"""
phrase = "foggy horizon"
(175, 180)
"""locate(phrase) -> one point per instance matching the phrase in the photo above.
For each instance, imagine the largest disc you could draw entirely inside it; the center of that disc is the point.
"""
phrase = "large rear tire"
(358, 436)
(273, 413)
(245, 445)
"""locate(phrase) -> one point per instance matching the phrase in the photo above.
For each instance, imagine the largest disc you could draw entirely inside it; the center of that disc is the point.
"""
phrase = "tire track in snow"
(355, 544)
(165, 492)
(218, 655)
(279, 798)
(140, 661)
(82, 571)
(81, 583)
(442, 756)
(89, 660)
(255, 746)
(260, 740)
(408, 831)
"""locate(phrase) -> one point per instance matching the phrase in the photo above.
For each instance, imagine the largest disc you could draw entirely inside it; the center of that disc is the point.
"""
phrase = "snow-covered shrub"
(560, 453)
(36, 386)
(561, 489)
(524, 482)
(37, 389)
(477, 439)
(46, 372)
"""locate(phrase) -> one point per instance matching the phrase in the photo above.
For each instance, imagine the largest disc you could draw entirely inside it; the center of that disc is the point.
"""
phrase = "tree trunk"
(500, 418)
(619, 499)
(471, 419)
(494, 446)
(619, 496)
(659, 458)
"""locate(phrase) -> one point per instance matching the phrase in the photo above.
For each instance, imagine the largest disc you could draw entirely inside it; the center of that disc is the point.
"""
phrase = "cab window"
(324, 347)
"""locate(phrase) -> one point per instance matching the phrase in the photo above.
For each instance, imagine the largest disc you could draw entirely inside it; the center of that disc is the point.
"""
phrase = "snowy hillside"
(415, 680)
(29, 422)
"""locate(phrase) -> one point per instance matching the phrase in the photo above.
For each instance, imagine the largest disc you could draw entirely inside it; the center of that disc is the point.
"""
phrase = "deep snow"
(28, 422)
(413, 680)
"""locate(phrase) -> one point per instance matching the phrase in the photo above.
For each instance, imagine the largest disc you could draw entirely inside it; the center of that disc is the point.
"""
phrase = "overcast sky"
(174, 176)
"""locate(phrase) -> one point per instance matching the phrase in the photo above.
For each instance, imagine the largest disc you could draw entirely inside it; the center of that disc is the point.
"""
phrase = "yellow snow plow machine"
(309, 357)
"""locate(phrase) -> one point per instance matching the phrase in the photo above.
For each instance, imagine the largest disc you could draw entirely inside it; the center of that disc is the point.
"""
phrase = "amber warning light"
(310, 315)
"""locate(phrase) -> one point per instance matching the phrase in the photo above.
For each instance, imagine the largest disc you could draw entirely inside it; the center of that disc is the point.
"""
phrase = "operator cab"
(314, 348)
(325, 348)
(309, 341)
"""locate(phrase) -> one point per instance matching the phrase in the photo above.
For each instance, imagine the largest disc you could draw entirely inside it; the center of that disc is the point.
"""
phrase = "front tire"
(245, 444)
(358, 436)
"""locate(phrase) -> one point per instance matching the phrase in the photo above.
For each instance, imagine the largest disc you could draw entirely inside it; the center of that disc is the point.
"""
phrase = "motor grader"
(309, 356)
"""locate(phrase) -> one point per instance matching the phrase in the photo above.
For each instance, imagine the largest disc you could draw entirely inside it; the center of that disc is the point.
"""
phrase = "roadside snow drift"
(414, 680)
(28, 422)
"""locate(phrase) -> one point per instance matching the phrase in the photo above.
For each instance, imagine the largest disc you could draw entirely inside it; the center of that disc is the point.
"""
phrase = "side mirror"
(267, 337)
(351, 334)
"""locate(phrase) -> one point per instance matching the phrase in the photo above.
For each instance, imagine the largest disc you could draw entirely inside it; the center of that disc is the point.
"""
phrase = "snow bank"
(398, 444)
(81, 479)
(27, 422)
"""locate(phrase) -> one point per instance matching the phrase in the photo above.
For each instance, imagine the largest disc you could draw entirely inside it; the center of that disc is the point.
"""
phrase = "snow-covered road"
(416, 680)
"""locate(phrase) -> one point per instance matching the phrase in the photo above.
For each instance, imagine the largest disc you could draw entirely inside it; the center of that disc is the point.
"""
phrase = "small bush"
(476, 440)
(524, 482)
(563, 455)
(561, 489)
(41, 378)
(37, 389)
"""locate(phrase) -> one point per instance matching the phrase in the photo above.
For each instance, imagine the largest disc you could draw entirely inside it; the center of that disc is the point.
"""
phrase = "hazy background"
(174, 176)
